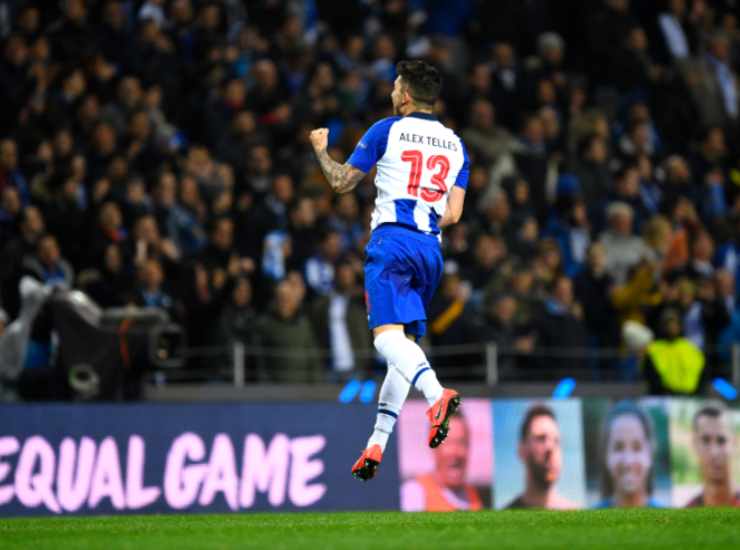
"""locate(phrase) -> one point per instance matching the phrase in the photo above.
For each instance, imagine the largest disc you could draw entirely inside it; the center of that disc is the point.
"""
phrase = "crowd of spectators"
(156, 153)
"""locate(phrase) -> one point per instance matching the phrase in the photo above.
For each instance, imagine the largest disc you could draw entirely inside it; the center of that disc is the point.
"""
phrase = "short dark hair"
(535, 411)
(711, 411)
(423, 80)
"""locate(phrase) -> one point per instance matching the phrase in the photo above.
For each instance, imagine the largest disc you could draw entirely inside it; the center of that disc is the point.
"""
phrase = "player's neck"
(717, 494)
(410, 108)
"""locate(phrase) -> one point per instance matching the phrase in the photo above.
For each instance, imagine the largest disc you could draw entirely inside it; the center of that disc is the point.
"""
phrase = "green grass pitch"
(618, 529)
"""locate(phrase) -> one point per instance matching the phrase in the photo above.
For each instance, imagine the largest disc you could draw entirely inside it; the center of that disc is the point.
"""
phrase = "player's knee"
(387, 337)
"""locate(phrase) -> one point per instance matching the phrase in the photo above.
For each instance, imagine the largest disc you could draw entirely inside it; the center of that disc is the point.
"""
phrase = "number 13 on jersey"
(439, 164)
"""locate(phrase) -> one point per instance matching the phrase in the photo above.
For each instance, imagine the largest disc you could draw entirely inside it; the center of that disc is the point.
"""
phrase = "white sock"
(411, 361)
(392, 395)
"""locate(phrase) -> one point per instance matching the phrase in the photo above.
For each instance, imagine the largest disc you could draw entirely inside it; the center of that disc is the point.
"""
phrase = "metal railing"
(480, 363)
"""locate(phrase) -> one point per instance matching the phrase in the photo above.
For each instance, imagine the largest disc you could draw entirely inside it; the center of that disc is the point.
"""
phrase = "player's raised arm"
(341, 177)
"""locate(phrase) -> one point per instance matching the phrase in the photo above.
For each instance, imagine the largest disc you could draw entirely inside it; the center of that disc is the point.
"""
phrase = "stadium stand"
(156, 154)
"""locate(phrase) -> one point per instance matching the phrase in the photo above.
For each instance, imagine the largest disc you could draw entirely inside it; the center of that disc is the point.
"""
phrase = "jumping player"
(422, 174)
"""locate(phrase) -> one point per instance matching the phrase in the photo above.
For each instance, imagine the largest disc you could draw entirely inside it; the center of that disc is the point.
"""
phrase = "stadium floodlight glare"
(725, 389)
(350, 391)
(564, 388)
(367, 393)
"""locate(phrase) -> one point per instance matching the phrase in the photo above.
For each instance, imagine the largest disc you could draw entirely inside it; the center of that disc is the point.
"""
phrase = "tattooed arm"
(341, 177)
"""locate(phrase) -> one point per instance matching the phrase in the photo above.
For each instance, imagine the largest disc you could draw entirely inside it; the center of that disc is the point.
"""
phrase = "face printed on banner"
(541, 452)
(629, 455)
(713, 442)
(451, 459)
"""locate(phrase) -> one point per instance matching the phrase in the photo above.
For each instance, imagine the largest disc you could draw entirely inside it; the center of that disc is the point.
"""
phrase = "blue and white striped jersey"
(419, 160)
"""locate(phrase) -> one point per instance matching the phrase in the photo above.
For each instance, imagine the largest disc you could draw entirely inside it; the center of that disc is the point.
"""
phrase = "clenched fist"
(319, 139)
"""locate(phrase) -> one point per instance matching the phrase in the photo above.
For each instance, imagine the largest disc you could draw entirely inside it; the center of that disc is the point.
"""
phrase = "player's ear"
(406, 95)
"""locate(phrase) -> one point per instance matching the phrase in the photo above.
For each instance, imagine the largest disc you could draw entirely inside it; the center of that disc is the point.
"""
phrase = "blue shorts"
(402, 270)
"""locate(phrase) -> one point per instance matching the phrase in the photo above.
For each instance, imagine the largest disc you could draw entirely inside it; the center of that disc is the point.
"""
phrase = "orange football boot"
(368, 463)
(439, 415)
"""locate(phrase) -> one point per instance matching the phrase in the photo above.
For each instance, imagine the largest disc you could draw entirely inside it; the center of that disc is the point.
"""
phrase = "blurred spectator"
(146, 242)
(303, 230)
(241, 134)
(547, 264)
(627, 191)
(47, 264)
(726, 291)
(524, 242)
(109, 230)
(728, 254)
(151, 291)
(533, 163)
(507, 79)
(259, 169)
(560, 328)
(678, 38)
(550, 63)
(178, 224)
(640, 136)
(592, 169)
(449, 323)
(346, 221)
(483, 137)
(238, 321)
(673, 364)
(571, 230)
(496, 210)
(702, 253)
(287, 341)
(71, 35)
(31, 228)
(276, 204)
(520, 200)
(623, 248)
(608, 26)
(219, 253)
(10, 211)
(707, 315)
(10, 174)
(593, 289)
(499, 325)
(711, 81)
(320, 268)
(110, 286)
(488, 253)
(66, 216)
(525, 292)
(339, 320)
(711, 154)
